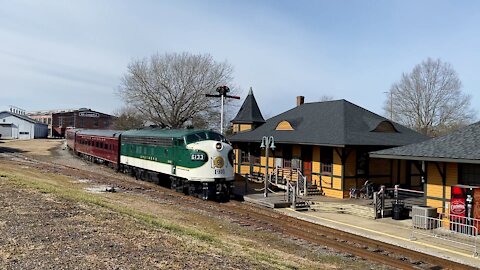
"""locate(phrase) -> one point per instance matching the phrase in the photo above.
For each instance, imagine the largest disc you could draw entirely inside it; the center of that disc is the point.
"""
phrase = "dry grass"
(196, 236)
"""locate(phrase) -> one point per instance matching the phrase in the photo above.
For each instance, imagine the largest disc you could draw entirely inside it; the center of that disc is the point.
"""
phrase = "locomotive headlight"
(219, 146)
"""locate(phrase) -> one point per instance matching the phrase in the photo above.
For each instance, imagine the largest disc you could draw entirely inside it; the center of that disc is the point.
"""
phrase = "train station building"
(326, 142)
(451, 169)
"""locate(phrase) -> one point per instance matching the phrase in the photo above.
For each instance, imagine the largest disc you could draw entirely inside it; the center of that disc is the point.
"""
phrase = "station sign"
(89, 114)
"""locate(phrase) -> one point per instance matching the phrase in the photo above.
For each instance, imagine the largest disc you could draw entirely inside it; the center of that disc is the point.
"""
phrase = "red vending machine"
(465, 208)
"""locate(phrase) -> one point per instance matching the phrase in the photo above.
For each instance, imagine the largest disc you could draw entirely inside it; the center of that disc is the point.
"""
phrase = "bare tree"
(128, 118)
(169, 89)
(429, 99)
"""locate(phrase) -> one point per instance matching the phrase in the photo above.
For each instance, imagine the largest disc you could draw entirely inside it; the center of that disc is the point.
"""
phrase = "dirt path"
(53, 216)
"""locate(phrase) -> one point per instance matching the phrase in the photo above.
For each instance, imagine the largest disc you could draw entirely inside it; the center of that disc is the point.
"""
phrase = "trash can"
(398, 210)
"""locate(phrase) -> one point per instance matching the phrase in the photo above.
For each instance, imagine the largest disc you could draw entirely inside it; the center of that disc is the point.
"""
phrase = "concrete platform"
(395, 232)
(272, 201)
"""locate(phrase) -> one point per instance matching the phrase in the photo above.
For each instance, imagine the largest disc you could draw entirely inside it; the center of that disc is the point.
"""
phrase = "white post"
(221, 115)
(267, 147)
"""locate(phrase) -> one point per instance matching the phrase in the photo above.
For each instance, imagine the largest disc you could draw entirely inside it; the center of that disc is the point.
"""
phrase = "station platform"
(387, 230)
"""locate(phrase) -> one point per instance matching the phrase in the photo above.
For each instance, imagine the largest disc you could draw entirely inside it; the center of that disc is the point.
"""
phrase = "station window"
(362, 162)
(296, 163)
(244, 157)
(469, 174)
(326, 160)
(287, 156)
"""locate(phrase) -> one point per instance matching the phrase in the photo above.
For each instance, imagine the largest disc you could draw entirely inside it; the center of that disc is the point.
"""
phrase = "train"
(195, 162)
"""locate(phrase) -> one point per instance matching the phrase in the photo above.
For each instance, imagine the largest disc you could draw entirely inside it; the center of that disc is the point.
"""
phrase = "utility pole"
(222, 94)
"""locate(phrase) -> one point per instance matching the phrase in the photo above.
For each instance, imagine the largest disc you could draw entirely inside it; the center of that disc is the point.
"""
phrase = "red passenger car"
(101, 146)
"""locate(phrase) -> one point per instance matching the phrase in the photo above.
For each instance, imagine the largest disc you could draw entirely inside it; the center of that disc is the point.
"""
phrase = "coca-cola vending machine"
(465, 208)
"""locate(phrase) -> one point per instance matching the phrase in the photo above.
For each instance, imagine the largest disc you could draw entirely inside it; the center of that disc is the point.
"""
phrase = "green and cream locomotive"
(198, 162)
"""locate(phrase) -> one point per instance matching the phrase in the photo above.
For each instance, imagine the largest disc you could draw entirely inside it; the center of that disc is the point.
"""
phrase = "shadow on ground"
(10, 150)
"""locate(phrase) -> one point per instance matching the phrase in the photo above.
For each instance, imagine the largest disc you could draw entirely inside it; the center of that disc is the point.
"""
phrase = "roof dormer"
(284, 125)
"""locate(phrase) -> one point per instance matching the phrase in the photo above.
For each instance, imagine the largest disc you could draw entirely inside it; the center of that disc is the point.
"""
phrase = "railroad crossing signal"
(222, 93)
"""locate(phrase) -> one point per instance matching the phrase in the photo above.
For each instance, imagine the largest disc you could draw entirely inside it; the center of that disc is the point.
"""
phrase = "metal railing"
(456, 219)
(283, 177)
(446, 229)
(379, 202)
(301, 184)
(409, 196)
(291, 194)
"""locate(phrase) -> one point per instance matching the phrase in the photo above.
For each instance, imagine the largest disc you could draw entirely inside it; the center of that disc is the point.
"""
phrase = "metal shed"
(17, 126)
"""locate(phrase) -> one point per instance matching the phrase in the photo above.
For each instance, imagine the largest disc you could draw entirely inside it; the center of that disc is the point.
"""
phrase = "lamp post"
(267, 143)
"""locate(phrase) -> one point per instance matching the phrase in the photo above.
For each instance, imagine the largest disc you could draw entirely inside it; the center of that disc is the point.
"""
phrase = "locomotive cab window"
(216, 137)
(196, 137)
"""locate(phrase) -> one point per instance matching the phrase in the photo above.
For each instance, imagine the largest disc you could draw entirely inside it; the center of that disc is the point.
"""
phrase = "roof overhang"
(434, 159)
(287, 142)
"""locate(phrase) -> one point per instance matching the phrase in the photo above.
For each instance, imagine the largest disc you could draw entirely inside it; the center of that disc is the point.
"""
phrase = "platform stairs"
(296, 186)
(280, 176)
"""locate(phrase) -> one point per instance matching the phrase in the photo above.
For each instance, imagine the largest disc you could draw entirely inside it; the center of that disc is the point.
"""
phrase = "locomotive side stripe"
(146, 164)
(164, 168)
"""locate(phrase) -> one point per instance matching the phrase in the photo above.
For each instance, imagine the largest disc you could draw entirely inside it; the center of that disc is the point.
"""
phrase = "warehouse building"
(59, 120)
(14, 124)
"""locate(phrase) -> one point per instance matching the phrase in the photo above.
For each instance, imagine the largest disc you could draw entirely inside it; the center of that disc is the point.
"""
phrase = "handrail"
(379, 202)
(294, 175)
(301, 183)
(291, 194)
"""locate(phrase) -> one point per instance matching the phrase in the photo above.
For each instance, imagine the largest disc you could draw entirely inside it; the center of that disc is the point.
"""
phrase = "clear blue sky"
(67, 54)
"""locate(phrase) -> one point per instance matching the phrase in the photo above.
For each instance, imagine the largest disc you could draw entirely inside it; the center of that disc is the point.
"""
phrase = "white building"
(16, 125)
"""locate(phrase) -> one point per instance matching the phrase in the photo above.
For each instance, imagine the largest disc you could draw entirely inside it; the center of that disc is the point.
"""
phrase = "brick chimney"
(300, 100)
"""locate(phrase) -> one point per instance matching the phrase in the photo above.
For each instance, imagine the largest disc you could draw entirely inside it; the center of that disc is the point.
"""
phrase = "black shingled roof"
(462, 145)
(249, 113)
(331, 123)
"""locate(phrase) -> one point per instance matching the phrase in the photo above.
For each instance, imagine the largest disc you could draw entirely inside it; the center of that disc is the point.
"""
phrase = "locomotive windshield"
(204, 135)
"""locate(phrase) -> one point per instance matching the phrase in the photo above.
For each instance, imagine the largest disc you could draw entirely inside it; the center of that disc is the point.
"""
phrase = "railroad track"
(258, 218)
